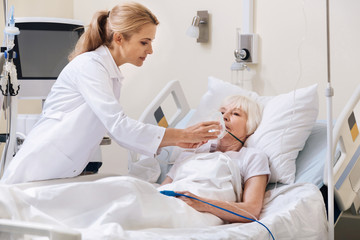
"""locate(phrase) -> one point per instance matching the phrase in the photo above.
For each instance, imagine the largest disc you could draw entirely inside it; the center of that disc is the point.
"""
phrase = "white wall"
(293, 33)
(292, 50)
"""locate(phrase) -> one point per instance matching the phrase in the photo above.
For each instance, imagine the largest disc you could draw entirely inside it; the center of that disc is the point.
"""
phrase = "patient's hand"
(197, 205)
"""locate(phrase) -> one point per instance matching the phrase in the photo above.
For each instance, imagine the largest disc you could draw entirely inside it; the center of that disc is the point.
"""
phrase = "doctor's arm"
(250, 207)
(192, 136)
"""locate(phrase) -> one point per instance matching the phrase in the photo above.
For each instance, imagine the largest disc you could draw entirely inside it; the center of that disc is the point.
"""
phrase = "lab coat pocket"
(57, 115)
(60, 165)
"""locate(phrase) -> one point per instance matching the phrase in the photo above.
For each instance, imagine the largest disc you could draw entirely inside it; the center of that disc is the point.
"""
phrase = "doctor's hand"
(190, 145)
(191, 137)
(199, 134)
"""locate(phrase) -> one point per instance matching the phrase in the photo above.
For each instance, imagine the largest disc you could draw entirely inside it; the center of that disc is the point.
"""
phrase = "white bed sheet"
(294, 211)
(291, 212)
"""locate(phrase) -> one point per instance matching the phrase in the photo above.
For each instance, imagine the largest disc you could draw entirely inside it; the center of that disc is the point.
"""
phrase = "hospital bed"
(291, 211)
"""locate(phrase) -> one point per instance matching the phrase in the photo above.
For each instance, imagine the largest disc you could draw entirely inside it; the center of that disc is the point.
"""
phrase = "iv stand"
(329, 92)
(9, 88)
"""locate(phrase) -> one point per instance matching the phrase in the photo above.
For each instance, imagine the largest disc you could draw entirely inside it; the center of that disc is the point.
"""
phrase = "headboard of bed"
(155, 114)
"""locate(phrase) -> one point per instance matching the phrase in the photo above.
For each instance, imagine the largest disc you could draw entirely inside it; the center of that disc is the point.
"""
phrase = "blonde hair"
(252, 109)
(127, 19)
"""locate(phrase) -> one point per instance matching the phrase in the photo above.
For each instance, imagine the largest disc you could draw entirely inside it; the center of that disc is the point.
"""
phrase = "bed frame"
(346, 167)
(346, 152)
(37, 229)
(346, 143)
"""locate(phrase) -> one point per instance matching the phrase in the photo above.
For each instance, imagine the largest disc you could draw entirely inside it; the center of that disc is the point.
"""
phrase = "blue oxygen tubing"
(174, 194)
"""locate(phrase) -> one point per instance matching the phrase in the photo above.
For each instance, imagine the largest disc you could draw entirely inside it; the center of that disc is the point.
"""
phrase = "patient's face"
(235, 121)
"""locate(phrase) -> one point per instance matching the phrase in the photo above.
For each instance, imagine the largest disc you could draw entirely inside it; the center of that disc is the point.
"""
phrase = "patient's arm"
(167, 180)
(252, 203)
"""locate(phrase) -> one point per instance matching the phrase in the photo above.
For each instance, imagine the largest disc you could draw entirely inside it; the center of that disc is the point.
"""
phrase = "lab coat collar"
(109, 63)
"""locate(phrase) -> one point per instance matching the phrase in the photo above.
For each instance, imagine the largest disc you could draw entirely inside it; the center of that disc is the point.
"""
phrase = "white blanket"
(127, 201)
(128, 208)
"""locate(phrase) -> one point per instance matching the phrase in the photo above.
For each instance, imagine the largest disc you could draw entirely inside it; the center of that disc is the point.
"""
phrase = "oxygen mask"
(217, 116)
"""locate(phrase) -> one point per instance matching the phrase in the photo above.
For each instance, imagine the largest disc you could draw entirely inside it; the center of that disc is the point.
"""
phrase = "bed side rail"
(346, 145)
(173, 89)
(37, 229)
(154, 114)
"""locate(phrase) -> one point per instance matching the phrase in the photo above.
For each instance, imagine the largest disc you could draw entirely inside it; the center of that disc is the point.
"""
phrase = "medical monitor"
(42, 48)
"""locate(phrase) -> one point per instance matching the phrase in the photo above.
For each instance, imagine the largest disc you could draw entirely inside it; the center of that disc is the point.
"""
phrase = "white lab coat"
(81, 108)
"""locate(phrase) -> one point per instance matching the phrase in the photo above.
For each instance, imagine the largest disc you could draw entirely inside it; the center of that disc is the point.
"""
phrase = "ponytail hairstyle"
(126, 19)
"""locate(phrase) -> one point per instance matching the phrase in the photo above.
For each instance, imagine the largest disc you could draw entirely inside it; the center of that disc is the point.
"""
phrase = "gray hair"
(252, 109)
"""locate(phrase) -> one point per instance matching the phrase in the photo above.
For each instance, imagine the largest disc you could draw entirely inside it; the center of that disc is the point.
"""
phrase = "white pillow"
(285, 126)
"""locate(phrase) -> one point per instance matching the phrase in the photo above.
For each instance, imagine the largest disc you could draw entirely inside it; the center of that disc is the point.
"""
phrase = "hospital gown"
(211, 174)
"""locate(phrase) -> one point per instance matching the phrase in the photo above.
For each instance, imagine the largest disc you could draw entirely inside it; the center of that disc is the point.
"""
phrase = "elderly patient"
(249, 167)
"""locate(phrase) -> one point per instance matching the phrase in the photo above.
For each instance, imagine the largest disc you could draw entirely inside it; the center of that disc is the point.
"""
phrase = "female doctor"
(83, 104)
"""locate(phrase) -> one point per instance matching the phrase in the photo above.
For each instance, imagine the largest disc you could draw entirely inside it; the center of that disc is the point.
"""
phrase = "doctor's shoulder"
(87, 57)
(86, 62)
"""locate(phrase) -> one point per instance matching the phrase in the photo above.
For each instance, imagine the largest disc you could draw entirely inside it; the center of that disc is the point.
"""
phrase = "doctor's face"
(136, 49)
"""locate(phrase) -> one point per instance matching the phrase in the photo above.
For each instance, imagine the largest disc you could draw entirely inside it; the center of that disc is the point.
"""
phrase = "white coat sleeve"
(96, 87)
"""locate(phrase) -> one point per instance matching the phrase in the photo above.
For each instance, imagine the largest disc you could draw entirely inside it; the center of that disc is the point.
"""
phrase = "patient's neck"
(224, 146)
